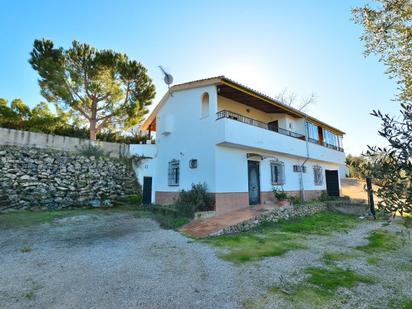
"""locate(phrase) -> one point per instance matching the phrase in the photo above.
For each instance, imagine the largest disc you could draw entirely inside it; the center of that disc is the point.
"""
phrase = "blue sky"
(305, 46)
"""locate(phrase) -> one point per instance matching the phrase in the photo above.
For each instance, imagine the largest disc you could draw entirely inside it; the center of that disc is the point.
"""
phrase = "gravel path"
(119, 261)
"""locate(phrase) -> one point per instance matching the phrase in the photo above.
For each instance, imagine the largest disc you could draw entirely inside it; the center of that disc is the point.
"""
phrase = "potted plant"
(281, 196)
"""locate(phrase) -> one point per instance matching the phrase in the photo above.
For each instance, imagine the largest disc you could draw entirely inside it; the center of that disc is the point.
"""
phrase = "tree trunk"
(93, 121)
(93, 130)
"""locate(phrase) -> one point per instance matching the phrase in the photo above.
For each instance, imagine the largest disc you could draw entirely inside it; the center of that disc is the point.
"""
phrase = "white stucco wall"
(232, 171)
(147, 167)
(183, 134)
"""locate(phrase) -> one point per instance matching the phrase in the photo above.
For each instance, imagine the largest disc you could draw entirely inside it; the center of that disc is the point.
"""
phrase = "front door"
(254, 182)
(332, 183)
(147, 190)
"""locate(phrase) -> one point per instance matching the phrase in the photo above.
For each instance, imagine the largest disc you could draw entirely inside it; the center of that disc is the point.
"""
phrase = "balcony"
(324, 144)
(231, 115)
(243, 132)
(257, 123)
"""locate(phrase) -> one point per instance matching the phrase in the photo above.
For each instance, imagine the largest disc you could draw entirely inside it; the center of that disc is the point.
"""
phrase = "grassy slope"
(274, 239)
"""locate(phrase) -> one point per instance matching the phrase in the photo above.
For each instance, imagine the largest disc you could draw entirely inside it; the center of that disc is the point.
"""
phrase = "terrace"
(274, 128)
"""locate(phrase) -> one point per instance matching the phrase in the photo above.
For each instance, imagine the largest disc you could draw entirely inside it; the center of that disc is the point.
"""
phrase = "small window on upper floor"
(205, 105)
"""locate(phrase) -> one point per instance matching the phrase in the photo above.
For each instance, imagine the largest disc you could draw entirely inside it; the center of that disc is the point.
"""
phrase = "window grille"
(299, 168)
(278, 173)
(174, 171)
(318, 175)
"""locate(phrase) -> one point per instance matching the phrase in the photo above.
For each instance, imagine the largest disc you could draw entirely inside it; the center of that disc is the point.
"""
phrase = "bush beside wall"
(33, 178)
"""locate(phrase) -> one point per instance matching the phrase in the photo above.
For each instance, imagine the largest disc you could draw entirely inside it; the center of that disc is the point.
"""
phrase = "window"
(174, 172)
(193, 163)
(299, 168)
(312, 131)
(205, 105)
(278, 173)
(330, 138)
(318, 175)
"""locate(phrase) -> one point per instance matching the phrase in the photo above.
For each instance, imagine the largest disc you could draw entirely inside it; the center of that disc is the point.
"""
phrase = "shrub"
(280, 194)
(324, 197)
(135, 199)
(295, 200)
(195, 199)
(93, 151)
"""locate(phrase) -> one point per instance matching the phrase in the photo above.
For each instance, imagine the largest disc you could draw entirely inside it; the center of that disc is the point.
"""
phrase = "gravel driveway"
(120, 261)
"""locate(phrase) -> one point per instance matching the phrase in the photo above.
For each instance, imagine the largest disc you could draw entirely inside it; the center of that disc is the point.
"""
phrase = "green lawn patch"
(302, 296)
(28, 218)
(373, 260)
(250, 247)
(407, 304)
(170, 222)
(401, 303)
(26, 250)
(407, 221)
(381, 241)
(319, 288)
(330, 279)
(404, 267)
(330, 257)
(275, 239)
(321, 223)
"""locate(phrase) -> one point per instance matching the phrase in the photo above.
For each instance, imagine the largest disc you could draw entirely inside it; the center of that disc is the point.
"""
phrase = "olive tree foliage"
(103, 88)
(356, 166)
(387, 34)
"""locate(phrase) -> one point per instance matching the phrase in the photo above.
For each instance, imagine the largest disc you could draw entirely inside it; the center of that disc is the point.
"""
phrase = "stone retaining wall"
(33, 178)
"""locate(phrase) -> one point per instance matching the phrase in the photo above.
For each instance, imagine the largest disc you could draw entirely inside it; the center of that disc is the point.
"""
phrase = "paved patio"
(204, 227)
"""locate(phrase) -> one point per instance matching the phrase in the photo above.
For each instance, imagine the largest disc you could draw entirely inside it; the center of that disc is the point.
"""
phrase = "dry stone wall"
(33, 178)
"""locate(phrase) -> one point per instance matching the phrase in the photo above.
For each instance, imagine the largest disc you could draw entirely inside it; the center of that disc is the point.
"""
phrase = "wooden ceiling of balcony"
(253, 101)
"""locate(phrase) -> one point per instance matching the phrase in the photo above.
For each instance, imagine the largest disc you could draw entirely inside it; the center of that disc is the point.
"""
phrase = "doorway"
(332, 182)
(147, 190)
(254, 182)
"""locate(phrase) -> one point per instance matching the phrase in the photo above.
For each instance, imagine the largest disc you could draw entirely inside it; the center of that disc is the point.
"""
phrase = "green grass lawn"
(28, 218)
(333, 277)
(275, 239)
(381, 241)
(320, 287)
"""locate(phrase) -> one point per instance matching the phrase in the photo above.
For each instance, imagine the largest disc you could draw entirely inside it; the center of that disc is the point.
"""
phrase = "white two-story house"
(239, 142)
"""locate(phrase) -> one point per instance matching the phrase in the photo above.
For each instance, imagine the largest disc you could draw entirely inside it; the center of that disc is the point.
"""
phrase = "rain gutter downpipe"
(302, 189)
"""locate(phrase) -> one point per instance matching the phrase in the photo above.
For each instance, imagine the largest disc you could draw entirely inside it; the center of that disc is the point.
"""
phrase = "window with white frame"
(318, 175)
(174, 172)
(277, 172)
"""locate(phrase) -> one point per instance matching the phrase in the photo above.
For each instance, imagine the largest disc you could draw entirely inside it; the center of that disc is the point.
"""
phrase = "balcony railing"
(257, 123)
(315, 141)
(263, 125)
